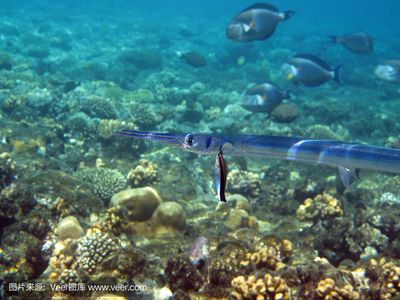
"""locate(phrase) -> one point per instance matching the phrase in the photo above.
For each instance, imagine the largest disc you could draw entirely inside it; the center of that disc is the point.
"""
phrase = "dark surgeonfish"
(264, 97)
(310, 71)
(357, 42)
(194, 59)
(389, 71)
(256, 22)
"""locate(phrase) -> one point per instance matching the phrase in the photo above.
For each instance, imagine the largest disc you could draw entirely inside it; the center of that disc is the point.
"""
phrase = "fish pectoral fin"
(248, 27)
(345, 177)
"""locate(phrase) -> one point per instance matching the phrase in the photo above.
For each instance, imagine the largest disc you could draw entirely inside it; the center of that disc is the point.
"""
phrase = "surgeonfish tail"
(287, 14)
(337, 74)
(334, 38)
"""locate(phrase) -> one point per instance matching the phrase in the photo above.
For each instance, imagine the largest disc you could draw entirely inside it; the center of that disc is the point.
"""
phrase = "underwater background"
(88, 214)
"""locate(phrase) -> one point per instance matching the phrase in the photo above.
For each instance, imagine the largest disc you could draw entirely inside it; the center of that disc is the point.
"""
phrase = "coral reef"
(327, 289)
(143, 174)
(244, 182)
(93, 249)
(322, 207)
(105, 182)
(98, 107)
(266, 287)
(6, 169)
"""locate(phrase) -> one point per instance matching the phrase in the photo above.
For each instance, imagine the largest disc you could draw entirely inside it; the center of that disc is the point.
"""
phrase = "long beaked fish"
(348, 158)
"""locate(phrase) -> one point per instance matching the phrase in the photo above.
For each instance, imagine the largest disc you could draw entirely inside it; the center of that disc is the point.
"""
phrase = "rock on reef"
(141, 202)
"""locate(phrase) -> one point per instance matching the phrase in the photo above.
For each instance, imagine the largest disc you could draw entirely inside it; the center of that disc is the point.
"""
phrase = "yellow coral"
(266, 287)
(144, 174)
(107, 128)
(323, 206)
(328, 290)
(270, 254)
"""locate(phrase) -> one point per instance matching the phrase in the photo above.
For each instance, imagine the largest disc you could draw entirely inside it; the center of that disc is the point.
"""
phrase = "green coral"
(99, 107)
(105, 182)
(319, 131)
(144, 116)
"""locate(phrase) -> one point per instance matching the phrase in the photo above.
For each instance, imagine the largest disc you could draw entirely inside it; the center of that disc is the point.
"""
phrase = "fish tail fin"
(287, 14)
(334, 38)
(337, 74)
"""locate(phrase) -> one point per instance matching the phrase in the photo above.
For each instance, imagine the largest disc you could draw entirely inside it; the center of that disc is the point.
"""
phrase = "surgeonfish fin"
(314, 59)
(220, 176)
(345, 177)
(261, 6)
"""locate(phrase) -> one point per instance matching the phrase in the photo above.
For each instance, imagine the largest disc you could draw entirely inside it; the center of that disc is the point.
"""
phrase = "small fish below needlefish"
(194, 59)
(256, 22)
(390, 71)
(310, 71)
(220, 176)
(264, 97)
(198, 253)
(357, 42)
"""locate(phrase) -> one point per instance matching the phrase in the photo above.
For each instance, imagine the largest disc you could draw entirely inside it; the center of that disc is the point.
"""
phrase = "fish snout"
(234, 30)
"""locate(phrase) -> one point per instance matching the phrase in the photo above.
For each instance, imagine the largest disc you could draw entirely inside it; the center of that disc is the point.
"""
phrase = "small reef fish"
(310, 71)
(389, 71)
(193, 59)
(198, 253)
(357, 42)
(221, 173)
(348, 158)
(264, 97)
(256, 22)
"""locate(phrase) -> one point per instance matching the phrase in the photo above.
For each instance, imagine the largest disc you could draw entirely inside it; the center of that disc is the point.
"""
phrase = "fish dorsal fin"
(314, 59)
(345, 178)
(261, 5)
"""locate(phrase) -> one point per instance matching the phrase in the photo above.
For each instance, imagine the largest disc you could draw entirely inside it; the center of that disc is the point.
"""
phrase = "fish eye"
(189, 140)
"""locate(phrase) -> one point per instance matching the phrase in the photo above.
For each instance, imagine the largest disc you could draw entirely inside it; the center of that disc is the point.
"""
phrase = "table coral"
(323, 206)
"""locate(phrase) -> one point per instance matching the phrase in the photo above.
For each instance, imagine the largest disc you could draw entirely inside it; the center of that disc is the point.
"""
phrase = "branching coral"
(327, 290)
(93, 249)
(107, 128)
(267, 287)
(105, 182)
(323, 206)
(98, 107)
(385, 279)
(143, 174)
(244, 182)
(272, 254)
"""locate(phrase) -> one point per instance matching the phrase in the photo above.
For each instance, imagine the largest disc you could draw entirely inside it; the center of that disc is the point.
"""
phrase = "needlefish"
(348, 158)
